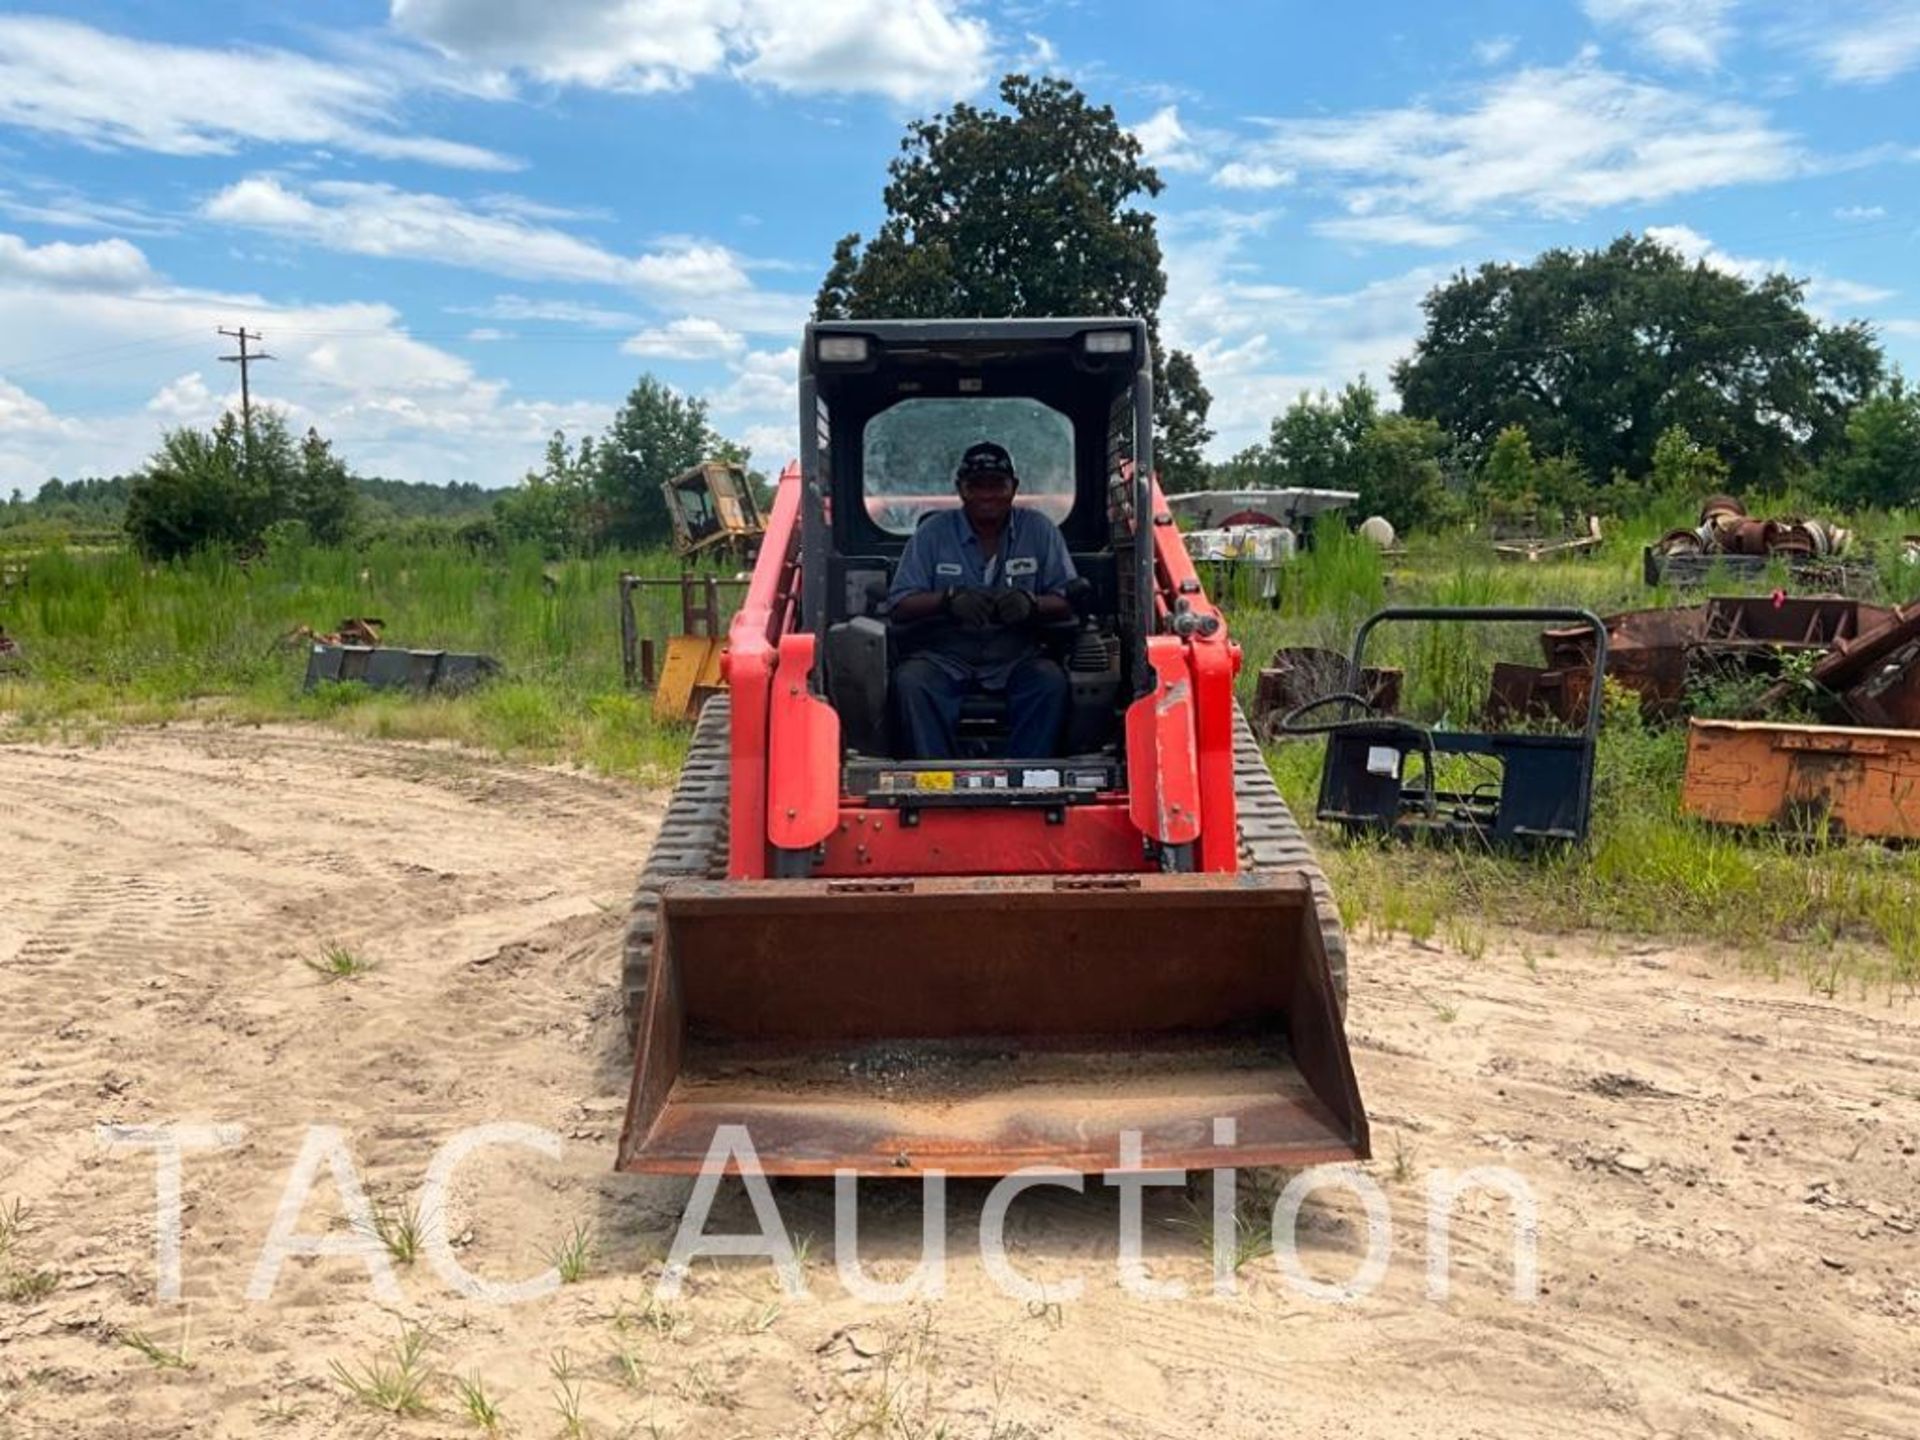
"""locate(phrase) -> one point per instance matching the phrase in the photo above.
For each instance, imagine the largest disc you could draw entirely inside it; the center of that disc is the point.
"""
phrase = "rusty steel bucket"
(978, 1025)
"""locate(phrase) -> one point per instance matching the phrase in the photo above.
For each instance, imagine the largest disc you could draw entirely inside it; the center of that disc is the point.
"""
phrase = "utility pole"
(243, 360)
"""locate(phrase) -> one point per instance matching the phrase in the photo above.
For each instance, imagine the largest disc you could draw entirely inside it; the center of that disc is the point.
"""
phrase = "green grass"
(160, 1356)
(1829, 912)
(1821, 909)
(23, 1286)
(401, 1229)
(110, 639)
(395, 1383)
(478, 1406)
(13, 1216)
(566, 1394)
(20, 1286)
(337, 962)
(1251, 1237)
(572, 1255)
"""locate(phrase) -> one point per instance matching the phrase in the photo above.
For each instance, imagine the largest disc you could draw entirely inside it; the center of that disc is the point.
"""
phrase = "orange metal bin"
(1804, 777)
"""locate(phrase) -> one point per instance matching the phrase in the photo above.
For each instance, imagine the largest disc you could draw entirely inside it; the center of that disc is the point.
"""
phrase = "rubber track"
(1271, 842)
(693, 842)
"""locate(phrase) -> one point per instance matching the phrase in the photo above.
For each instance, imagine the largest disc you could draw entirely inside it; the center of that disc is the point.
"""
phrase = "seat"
(863, 648)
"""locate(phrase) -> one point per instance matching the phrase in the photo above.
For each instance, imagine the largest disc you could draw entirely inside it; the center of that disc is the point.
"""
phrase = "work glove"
(1014, 606)
(972, 608)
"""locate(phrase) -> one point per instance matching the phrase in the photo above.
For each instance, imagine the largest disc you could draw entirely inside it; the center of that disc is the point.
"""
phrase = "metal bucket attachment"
(975, 1026)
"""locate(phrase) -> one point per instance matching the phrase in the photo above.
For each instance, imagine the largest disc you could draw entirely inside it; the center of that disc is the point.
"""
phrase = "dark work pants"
(927, 702)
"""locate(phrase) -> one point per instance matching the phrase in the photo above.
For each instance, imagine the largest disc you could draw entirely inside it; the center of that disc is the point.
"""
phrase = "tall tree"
(1346, 442)
(1024, 211)
(320, 491)
(552, 507)
(657, 434)
(1882, 463)
(1315, 442)
(1683, 467)
(198, 491)
(1598, 352)
(217, 488)
(1182, 402)
(1401, 473)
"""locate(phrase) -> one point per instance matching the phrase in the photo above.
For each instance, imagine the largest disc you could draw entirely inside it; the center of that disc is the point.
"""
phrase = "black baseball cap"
(986, 458)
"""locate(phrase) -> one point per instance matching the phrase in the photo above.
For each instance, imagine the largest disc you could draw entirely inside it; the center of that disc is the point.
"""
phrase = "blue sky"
(464, 223)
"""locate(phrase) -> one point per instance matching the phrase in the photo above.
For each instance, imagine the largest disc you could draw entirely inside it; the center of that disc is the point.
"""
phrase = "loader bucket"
(976, 1026)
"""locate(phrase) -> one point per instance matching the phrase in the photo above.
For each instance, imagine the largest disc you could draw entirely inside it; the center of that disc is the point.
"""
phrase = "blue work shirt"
(945, 553)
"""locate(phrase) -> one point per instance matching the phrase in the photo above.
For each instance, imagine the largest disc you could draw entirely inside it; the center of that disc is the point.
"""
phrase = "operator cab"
(887, 409)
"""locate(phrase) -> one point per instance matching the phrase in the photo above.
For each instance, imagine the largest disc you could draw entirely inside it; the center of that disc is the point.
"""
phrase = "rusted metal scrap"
(1872, 671)
(1298, 674)
(362, 630)
(1731, 540)
(1659, 653)
(1522, 694)
(1725, 528)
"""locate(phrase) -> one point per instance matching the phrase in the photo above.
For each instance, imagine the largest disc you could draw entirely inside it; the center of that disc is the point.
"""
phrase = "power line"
(94, 355)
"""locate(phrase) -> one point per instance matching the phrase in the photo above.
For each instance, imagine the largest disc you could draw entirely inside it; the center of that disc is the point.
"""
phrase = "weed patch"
(396, 1382)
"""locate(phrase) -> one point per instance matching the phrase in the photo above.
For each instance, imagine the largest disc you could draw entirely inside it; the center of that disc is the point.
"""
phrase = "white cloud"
(689, 338)
(911, 51)
(22, 414)
(382, 220)
(762, 386)
(1860, 212)
(395, 405)
(1827, 296)
(1860, 43)
(104, 265)
(560, 312)
(187, 400)
(1240, 175)
(63, 78)
(1494, 49)
(1699, 249)
(772, 445)
(378, 219)
(1394, 230)
(691, 269)
(487, 335)
(1831, 296)
(1559, 142)
(1687, 33)
(1042, 57)
(1259, 344)
(1166, 143)
(47, 202)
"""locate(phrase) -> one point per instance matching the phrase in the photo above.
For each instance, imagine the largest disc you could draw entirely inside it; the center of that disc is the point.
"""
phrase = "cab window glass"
(910, 451)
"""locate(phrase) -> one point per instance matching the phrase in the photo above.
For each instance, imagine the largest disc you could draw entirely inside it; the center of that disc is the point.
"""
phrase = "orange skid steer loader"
(888, 965)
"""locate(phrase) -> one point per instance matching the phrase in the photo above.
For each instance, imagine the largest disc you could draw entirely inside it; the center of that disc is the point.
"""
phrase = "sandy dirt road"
(1725, 1169)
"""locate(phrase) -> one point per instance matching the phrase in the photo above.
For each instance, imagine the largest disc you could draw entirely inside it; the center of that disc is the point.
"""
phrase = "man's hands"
(981, 608)
(1014, 606)
(975, 609)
